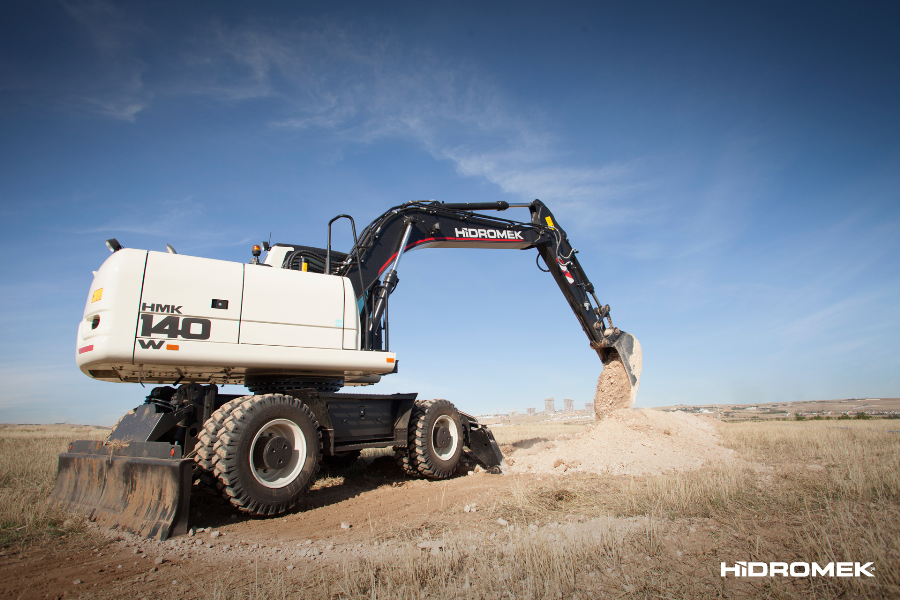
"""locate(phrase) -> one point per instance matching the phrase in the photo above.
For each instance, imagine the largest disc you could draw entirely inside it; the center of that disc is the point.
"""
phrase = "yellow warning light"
(171, 346)
(98, 293)
(256, 248)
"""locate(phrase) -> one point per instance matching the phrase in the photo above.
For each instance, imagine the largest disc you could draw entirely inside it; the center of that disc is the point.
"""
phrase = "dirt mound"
(614, 389)
(627, 442)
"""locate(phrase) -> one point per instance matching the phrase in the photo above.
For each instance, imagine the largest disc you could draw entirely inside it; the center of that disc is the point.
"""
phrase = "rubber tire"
(344, 460)
(422, 453)
(206, 454)
(206, 441)
(407, 462)
(235, 437)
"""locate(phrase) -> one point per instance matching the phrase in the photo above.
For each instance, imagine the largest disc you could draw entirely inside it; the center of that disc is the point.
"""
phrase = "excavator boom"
(371, 267)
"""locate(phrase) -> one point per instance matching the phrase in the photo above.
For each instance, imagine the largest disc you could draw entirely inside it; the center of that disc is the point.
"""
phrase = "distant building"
(513, 413)
(549, 406)
(530, 410)
(568, 405)
(589, 407)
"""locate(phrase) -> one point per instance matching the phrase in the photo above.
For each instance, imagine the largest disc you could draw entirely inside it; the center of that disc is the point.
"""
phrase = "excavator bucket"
(618, 384)
(142, 487)
(629, 351)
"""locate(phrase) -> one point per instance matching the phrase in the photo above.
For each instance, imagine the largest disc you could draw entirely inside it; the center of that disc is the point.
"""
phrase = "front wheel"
(436, 438)
(268, 453)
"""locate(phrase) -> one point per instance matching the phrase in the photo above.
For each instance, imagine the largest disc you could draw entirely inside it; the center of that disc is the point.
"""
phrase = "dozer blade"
(131, 487)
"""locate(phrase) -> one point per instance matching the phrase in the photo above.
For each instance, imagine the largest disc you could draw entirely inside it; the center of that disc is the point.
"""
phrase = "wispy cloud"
(591, 189)
(122, 109)
(364, 90)
(358, 88)
(168, 218)
(115, 87)
(128, 99)
(174, 221)
(110, 29)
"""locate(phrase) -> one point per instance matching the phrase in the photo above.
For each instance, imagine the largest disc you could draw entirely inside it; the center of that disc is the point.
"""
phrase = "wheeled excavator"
(294, 328)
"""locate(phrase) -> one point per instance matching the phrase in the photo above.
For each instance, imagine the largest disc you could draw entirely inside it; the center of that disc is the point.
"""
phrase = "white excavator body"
(161, 318)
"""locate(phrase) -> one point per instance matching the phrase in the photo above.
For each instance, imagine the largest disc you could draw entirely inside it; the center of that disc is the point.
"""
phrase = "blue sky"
(728, 171)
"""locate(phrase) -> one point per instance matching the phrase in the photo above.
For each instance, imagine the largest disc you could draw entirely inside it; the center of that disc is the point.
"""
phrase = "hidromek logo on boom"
(491, 234)
(797, 569)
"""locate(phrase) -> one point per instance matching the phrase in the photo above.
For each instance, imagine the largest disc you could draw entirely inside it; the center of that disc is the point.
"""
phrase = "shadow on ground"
(332, 485)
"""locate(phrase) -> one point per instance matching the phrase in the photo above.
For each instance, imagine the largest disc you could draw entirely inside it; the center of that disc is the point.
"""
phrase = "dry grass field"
(801, 491)
(827, 409)
(27, 473)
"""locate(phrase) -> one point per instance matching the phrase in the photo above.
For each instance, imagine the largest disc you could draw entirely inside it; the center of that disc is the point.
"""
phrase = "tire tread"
(419, 451)
(226, 454)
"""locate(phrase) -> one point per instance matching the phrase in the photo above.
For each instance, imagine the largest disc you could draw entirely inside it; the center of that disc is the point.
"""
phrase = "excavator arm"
(372, 266)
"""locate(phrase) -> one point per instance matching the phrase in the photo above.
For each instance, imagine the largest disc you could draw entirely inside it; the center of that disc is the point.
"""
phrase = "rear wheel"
(268, 453)
(436, 439)
(406, 461)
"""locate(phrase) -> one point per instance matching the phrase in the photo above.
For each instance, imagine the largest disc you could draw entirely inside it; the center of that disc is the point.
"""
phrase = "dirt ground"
(371, 509)
(545, 530)
(385, 513)
(380, 505)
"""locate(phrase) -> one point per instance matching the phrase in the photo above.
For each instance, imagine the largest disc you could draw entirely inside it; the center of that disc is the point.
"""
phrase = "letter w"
(146, 344)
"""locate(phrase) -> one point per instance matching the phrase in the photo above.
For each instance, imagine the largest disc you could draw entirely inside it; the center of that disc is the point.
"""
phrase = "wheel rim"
(278, 477)
(444, 448)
